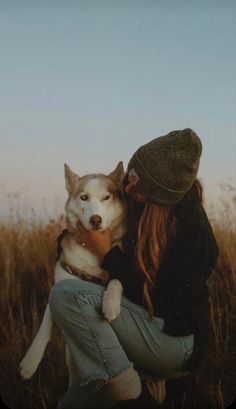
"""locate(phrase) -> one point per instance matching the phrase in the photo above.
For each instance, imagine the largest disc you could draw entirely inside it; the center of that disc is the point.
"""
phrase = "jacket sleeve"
(196, 261)
(119, 266)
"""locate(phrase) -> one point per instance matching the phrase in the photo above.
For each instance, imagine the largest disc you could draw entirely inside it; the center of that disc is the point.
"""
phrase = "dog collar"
(102, 279)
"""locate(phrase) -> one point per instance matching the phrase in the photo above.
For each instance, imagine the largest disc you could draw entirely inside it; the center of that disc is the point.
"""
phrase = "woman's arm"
(114, 261)
(119, 266)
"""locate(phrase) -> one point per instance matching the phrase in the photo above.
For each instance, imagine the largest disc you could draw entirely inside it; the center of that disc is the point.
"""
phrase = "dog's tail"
(33, 356)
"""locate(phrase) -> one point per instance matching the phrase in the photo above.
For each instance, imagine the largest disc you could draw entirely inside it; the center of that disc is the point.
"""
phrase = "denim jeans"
(101, 350)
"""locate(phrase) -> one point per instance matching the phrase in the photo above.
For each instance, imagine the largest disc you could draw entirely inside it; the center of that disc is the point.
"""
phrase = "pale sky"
(88, 82)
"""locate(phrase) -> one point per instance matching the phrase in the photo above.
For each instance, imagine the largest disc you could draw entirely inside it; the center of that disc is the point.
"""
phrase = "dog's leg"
(112, 299)
(33, 356)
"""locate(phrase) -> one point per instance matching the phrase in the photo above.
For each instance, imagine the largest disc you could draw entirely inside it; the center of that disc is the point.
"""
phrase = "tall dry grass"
(27, 255)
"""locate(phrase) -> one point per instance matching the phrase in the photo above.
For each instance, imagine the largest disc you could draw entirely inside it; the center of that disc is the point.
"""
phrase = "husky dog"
(95, 201)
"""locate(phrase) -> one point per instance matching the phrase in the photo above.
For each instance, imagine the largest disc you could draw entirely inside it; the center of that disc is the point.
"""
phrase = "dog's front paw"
(110, 306)
(28, 366)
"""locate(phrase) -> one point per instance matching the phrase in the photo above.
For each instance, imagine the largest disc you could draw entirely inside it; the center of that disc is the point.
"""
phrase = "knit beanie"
(165, 168)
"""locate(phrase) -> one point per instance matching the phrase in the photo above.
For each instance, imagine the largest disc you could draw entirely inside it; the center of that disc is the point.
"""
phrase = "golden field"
(27, 255)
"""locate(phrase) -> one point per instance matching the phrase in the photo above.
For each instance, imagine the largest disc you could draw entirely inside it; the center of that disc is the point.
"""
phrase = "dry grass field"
(27, 254)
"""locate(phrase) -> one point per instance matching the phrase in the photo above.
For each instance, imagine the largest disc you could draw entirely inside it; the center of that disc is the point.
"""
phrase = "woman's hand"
(96, 241)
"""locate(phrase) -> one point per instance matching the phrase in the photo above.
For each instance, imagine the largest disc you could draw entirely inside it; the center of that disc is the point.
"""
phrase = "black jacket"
(180, 295)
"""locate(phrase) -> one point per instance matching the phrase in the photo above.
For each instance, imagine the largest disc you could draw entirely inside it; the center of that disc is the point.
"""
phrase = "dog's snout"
(96, 220)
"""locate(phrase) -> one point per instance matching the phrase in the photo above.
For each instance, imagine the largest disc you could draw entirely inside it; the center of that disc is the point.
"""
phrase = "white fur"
(111, 300)
(95, 205)
(112, 213)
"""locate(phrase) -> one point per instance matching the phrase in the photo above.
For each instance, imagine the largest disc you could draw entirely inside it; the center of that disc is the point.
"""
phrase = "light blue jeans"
(101, 350)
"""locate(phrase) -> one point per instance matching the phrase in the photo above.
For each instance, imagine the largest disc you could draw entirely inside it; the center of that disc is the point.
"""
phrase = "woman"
(169, 253)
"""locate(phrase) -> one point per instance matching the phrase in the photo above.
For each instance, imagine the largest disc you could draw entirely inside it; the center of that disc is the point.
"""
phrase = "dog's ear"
(117, 175)
(71, 179)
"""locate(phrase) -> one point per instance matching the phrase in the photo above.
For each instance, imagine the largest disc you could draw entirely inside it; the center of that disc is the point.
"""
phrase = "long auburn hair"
(156, 229)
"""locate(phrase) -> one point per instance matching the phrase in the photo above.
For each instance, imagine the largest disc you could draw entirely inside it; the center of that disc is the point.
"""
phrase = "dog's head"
(94, 199)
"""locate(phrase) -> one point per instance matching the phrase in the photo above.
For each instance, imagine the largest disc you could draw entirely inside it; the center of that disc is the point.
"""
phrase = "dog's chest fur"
(81, 258)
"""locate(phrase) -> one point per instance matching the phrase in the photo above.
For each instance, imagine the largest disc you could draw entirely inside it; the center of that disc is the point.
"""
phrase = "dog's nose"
(95, 220)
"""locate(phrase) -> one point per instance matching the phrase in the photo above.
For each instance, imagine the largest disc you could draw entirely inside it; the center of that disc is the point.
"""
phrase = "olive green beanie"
(166, 167)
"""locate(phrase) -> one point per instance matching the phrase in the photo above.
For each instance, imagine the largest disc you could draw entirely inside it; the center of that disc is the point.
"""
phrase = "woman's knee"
(61, 293)
(68, 292)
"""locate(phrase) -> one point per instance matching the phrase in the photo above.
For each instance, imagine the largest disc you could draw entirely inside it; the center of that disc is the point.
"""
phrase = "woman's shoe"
(145, 400)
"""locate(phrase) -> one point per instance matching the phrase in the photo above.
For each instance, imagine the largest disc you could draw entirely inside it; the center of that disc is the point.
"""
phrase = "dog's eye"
(107, 197)
(84, 197)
